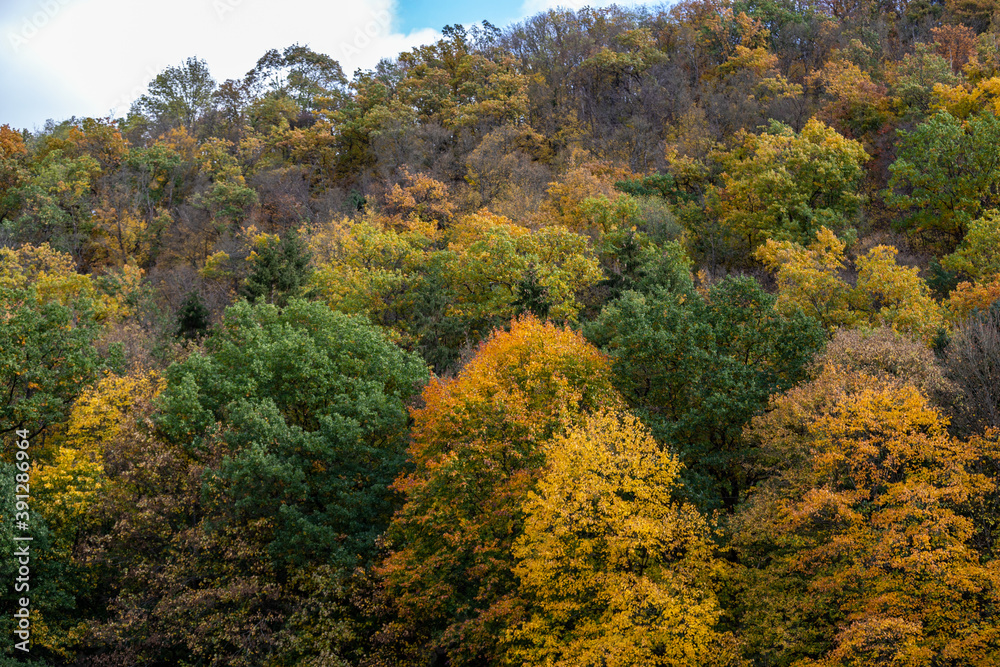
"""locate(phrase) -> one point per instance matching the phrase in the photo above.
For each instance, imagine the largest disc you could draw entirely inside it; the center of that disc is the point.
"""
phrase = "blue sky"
(429, 14)
(60, 58)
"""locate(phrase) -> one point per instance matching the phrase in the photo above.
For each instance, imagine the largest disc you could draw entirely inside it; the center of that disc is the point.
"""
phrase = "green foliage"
(46, 358)
(192, 317)
(310, 405)
(978, 256)
(946, 173)
(178, 96)
(660, 185)
(698, 368)
(279, 271)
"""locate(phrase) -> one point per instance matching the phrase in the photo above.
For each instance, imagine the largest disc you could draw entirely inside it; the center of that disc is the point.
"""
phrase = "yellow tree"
(477, 451)
(65, 488)
(809, 278)
(614, 571)
(886, 294)
(497, 268)
(785, 185)
(867, 540)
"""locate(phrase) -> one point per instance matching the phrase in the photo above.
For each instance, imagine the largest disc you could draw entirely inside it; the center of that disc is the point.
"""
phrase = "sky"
(60, 58)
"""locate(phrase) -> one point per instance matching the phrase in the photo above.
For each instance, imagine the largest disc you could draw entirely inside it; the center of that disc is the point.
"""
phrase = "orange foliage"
(477, 451)
(955, 44)
(971, 296)
(422, 197)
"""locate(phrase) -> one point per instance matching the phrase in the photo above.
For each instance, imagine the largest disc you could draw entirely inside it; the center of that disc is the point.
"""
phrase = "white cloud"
(102, 54)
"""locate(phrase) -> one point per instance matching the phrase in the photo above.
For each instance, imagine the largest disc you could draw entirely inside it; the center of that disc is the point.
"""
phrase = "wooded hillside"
(618, 337)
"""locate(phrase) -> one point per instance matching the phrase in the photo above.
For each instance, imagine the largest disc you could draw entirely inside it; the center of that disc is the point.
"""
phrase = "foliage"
(860, 543)
(46, 358)
(946, 173)
(310, 404)
(478, 449)
(697, 368)
(178, 96)
(784, 185)
(978, 256)
(614, 571)
(279, 271)
(886, 294)
(192, 317)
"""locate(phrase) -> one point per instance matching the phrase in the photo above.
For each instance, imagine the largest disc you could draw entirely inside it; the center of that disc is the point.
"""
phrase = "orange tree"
(477, 452)
(870, 542)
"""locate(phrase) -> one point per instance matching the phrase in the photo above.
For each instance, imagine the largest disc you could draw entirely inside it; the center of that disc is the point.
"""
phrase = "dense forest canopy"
(612, 337)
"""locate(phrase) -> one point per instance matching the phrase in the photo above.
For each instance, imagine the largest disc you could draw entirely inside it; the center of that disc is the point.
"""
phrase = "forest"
(614, 337)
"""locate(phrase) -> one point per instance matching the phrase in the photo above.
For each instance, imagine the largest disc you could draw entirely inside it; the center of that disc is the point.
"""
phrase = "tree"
(67, 485)
(862, 544)
(192, 317)
(314, 81)
(614, 571)
(697, 368)
(885, 293)
(785, 185)
(945, 174)
(179, 96)
(56, 201)
(978, 255)
(310, 406)
(279, 271)
(12, 170)
(492, 262)
(973, 363)
(46, 358)
(477, 451)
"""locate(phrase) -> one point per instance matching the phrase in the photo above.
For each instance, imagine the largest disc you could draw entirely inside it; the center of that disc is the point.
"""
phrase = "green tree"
(311, 406)
(46, 358)
(698, 368)
(178, 97)
(192, 317)
(279, 271)
(945, 174)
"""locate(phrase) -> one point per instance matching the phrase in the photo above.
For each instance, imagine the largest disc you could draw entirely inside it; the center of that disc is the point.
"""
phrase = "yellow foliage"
(896, 296)
(808, 278)
(362, 265)
(492, 257)
(885, 294)
(118, 237)
(614, 570)
(963, 100)
(53, 274)
(566, 196)
(67, 486)
(863, 532)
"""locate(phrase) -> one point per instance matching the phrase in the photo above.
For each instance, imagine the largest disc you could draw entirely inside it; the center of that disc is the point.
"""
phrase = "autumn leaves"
(541, 523)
